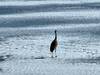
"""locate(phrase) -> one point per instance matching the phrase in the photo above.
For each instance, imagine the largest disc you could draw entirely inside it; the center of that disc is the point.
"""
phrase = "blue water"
(42, 14)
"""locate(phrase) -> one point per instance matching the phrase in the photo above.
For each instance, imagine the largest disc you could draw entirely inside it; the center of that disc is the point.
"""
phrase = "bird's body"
(54, 44)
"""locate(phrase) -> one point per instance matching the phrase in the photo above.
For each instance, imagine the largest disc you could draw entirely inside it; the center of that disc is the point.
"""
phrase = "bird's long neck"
(55, 35)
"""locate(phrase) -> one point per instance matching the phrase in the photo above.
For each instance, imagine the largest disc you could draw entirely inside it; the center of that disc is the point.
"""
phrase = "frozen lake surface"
(26, 52)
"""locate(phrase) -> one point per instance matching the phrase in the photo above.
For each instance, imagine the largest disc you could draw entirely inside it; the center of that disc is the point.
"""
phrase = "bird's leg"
(55, 53)
(52, 54)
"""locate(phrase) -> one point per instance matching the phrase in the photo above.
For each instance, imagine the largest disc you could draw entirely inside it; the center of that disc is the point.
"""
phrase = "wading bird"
(54, 44)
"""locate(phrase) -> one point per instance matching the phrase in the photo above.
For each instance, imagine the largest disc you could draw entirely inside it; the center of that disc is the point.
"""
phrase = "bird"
(54, 45)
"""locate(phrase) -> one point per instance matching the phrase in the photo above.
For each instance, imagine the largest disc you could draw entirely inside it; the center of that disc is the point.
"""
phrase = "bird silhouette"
(54, 44)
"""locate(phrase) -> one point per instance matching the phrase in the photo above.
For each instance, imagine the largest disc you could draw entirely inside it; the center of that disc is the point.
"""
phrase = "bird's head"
(55, 31)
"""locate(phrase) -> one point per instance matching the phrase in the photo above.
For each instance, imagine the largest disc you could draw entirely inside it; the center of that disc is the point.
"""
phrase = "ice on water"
(26, 34)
